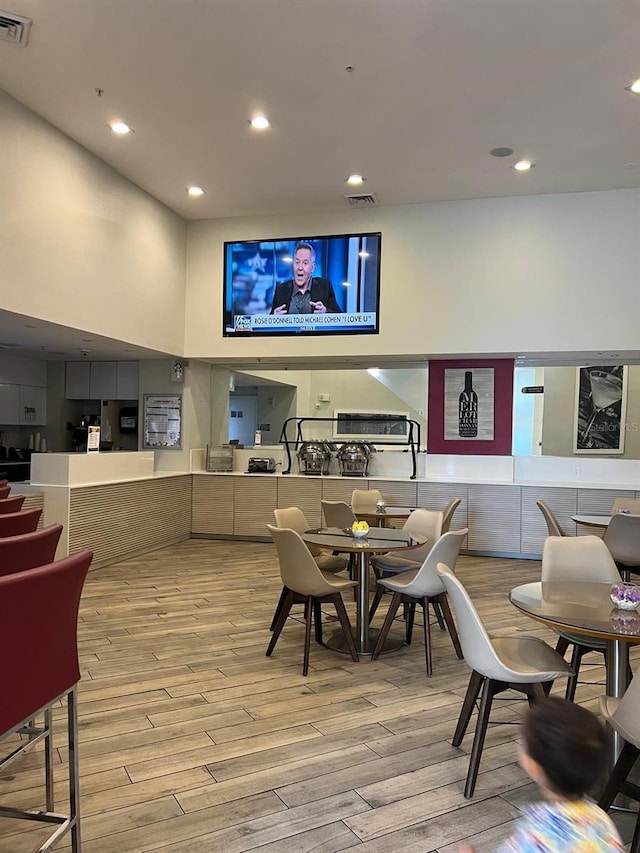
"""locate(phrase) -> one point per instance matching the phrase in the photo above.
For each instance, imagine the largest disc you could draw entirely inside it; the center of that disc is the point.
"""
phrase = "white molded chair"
(447, 514)
(577, 558)
(337, 514)
(425, 587)
(622, 538)
(553, 526)
(497, 664)
(624, 716)
(305, 583)
(294, 519)
(423, 525)
(365, 500)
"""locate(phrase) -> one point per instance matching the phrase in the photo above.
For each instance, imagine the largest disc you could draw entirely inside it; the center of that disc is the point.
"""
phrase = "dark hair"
(304, 245)
(569, 744)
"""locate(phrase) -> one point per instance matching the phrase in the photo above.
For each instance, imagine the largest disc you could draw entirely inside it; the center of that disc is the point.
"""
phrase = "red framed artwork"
(470, 407)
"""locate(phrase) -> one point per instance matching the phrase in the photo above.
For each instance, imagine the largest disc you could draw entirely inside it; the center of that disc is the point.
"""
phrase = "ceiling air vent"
(4, 345)
(14, 28)
(362, 200)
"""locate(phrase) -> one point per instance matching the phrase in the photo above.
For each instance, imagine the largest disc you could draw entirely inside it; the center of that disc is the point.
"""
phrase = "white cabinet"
(102, 384)
(127, 380)
(77, 377)
(9, 404)
(33, 405)
(102, 380)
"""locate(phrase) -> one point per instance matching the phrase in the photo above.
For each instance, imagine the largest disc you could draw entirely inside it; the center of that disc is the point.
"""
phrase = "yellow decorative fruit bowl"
(359, 529)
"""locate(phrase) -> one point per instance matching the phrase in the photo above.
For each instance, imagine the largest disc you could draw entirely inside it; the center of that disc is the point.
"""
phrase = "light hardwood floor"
(192, 741)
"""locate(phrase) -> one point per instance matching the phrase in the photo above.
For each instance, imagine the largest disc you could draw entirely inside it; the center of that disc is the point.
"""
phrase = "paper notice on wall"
(162, 422)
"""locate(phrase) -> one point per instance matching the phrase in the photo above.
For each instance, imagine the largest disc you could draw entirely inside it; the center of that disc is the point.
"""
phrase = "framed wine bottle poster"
(470, 408)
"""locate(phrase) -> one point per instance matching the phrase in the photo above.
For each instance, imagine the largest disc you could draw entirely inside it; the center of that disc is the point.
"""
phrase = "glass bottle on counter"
(468, 409)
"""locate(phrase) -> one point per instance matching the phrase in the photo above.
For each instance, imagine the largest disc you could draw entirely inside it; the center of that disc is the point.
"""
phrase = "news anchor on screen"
(304, 294)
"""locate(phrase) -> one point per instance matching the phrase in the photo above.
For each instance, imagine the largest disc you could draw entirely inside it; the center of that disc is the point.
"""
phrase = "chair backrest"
(552, 522)
(14, 504)
(298, 569)
(337, 514)
(581, 558)
(423, 524)
(446, 550)
(38, 636)
(4, 484)
(628, 505)
(19, 522)
(4, 490)
(626, 718)
(476, 644)
(29, 550)
(364, 500)
(295, 519)
(447, 514)
(622, 538)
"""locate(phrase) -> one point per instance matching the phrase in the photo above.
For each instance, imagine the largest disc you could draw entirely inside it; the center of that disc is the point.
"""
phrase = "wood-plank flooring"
(193, 741)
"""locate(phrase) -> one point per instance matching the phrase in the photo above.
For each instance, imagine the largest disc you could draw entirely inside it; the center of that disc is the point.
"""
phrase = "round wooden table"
(382, 517)
(379, 541)
(584, 607)
(600, 521)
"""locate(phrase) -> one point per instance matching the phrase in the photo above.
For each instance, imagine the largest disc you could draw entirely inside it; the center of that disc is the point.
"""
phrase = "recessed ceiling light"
(30, 326)
(501, 151)
(195, 192)
(120, 128)
(634, 87)
(260, 122)
(355, 180)
(523, 165)
(87, 340)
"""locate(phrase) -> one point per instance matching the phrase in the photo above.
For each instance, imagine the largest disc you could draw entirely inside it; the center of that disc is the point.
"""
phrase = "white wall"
(81, 245)
(487, 276)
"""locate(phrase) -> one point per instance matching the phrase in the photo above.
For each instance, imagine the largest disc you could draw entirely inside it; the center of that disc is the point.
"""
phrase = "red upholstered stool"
(13, 504)
(29, 550)
(39, 666)
(5, 489)
(16, 523)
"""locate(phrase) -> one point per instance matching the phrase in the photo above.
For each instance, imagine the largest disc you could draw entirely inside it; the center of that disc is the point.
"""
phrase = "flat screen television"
(302, 286)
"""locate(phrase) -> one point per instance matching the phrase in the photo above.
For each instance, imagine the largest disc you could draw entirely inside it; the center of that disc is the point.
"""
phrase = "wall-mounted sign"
(93, 439)
(532, 389)
(162, 422)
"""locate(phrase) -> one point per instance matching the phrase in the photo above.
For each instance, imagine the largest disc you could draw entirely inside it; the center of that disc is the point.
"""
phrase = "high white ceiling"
(435, 85)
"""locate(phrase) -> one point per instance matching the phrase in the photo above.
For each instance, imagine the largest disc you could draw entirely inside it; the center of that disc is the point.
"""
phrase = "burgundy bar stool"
(16, 523)
(39, 667)
(29, 550)
(13, 504)
(5, 488)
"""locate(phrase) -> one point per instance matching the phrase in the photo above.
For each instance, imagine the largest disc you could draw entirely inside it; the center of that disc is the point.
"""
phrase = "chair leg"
(475, 683)
(478, 739)
(74, 770)
(377, 598)
(279, 606)
(386, 625)
(317, 621)
(439, 615)
(282, 618)
(427, 636)
(621, 770)
(572, 681)
(410, 617)
(443, 603)
(562, 645)
(307, 635)
(341, 610)
(48, 760)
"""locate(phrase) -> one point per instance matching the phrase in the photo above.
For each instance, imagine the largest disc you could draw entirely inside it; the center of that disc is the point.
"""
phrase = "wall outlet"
(576, 470)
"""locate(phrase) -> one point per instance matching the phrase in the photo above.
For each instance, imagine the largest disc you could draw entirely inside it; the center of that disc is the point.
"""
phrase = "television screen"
(305, 285)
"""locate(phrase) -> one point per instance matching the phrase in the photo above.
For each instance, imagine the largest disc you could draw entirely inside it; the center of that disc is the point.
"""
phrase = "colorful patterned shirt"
(567, 826)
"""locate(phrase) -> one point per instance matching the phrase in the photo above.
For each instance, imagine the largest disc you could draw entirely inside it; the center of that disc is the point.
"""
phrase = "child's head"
(568, 745)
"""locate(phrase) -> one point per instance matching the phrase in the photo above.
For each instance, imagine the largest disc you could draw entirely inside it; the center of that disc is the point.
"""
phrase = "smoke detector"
(14, 28)
(361, 200)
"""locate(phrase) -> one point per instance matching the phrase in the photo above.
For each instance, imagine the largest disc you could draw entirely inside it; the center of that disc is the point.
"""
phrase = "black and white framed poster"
(469, 404)
(600, 406)
(162, 422)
